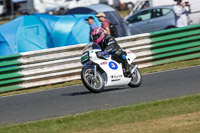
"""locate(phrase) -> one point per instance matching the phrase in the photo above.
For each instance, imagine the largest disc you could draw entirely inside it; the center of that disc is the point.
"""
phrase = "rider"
(109, 45)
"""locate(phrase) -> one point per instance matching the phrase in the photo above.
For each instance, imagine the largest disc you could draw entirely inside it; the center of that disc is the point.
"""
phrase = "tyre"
(170, 27)
(88, 79)
(136, 79)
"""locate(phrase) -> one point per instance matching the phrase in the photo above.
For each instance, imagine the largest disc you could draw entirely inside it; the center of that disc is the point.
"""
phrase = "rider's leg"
(122, 59)
(120, 56)
(125, 64)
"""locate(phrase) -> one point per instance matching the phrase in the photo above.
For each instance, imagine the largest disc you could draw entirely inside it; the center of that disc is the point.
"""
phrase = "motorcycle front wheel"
(95, 85)
(136, 80)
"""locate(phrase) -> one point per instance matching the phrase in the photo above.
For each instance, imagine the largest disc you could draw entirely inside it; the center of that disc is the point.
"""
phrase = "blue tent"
(42, 31)
(8, 36)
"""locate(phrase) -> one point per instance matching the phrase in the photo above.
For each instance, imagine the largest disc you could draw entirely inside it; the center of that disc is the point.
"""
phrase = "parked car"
(194, 16)
(152, 3)
(151, 19)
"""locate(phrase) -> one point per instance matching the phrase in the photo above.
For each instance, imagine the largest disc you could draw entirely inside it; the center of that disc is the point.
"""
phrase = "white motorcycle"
(100, 72)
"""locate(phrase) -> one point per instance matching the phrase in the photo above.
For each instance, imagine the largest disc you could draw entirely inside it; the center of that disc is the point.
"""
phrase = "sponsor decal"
(84, 57)
(103, 63)
(115, 80)
(113, 65)
(115, 76)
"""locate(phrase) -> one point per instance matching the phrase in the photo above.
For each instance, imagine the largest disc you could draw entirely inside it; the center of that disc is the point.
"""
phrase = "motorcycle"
(100, 72)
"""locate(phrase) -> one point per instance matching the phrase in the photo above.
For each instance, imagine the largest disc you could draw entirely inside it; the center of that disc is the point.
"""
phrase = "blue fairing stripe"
(89, 65)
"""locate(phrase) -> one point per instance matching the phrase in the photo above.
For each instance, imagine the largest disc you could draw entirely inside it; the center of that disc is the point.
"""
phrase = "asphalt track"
(77, 99)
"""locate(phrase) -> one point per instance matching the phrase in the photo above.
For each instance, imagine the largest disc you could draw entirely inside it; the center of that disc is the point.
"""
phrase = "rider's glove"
(101, 53)
(104, 53)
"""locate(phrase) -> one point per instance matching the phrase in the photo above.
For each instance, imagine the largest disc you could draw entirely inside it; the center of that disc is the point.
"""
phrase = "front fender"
(130, 56)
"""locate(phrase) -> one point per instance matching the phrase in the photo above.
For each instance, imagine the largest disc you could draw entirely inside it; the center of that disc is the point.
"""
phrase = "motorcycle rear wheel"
(136, 80)
(95, 85)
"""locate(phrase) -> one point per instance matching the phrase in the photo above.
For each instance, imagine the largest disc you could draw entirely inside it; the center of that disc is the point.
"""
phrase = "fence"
(55, 65)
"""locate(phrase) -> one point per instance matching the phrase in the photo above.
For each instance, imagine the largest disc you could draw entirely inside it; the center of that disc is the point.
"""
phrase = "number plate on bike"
(84, 57)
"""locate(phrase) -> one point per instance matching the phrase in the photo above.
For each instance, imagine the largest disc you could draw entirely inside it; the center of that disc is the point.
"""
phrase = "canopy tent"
(42, 31)
(8, 36)
(110, 12)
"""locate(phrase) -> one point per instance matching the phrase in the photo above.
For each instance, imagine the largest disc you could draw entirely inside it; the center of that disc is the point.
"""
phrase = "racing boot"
(127, 69)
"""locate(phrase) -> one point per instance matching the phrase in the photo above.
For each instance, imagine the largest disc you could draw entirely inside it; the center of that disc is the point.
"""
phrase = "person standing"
(90, 21)
(105, 23)
(181, 11)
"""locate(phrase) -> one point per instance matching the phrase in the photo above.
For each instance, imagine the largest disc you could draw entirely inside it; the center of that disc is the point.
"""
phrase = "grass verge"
(164, 67)
(181, 112)
(124, 13)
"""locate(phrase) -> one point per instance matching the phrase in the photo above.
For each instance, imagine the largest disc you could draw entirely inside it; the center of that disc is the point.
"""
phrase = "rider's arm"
(109, 48)
(111, 43)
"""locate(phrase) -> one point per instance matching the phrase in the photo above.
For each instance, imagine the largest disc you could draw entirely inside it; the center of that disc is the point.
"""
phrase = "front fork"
(94, 67)
(95, 71)
(135, 67)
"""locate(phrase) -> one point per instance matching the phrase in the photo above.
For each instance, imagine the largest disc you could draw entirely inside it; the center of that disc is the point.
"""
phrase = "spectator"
(93, 25)
(91, 22)
(181, 12)
(105, 23)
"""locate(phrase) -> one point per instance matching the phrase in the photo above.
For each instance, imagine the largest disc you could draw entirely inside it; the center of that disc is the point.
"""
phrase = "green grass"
(111, 117)
(4, 21)
(169, 66)
(124, 13)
